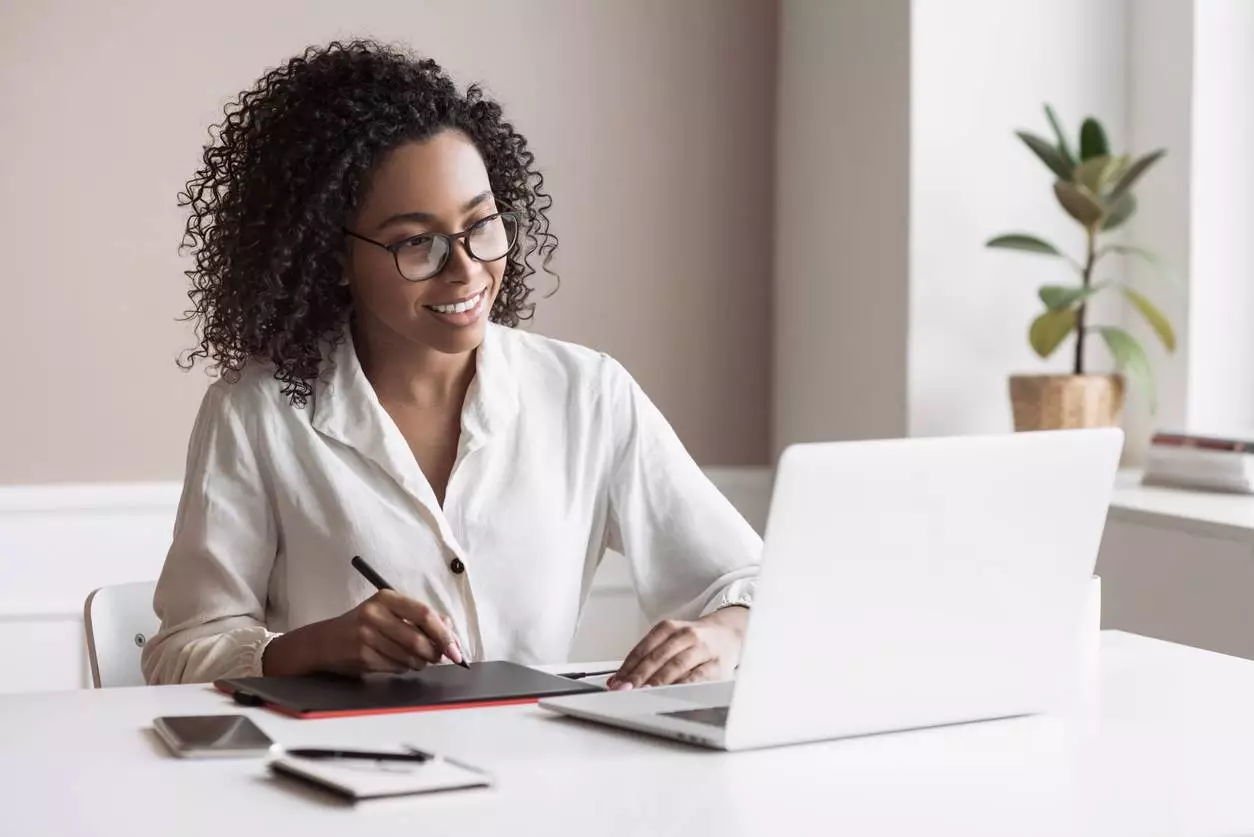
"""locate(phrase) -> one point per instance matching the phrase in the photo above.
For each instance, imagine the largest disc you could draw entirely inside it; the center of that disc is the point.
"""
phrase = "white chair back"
(119, 621)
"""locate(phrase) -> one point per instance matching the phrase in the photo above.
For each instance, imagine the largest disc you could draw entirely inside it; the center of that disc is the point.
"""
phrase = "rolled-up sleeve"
(689, 550)
(211, 595)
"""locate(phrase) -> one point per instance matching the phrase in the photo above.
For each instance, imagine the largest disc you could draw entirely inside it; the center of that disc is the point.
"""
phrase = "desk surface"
(1164, 748)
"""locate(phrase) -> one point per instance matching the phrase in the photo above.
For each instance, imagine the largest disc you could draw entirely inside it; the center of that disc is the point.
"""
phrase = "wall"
(652, 120)
(981, 69)
(896, 162)
(842, 191)
(868, 346)
(1160, 108)
(1221, 265)
(1196, 207)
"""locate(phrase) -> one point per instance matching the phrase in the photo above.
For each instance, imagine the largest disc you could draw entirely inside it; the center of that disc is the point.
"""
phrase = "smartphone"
(194, 736)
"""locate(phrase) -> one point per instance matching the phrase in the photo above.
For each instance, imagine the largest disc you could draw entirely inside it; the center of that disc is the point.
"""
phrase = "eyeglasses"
(420, 257)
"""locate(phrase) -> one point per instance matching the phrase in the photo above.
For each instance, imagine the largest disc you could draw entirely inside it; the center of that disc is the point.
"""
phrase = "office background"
(772, 211)
(652, 122)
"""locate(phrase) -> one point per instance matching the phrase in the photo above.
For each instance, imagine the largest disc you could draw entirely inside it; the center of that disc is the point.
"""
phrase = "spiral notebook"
(358, 779)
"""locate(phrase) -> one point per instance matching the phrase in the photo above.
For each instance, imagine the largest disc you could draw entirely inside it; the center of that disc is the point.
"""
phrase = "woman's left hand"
(685, 652)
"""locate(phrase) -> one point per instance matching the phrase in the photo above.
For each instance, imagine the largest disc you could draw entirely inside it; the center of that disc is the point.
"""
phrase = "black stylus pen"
(374, 578)
(580, 675)
(319, 753)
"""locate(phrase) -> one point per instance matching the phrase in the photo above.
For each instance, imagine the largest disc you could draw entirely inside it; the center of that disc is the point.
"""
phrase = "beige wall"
(653, 120)
(842, 237)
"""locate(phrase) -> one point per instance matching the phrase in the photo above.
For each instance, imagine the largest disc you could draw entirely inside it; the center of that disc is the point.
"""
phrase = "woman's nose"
(460, 267)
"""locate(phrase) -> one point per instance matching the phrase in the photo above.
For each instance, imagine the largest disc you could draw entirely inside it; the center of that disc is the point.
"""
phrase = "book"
(1207, 462)
(1231, 444)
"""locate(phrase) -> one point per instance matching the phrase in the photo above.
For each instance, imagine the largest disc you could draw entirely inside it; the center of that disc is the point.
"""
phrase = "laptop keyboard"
(715, 716)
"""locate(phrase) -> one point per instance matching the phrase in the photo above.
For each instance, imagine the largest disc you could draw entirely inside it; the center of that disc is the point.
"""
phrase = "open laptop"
(905, 583)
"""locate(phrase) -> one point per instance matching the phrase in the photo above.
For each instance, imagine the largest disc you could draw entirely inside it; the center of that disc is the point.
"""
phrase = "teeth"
(459, 307)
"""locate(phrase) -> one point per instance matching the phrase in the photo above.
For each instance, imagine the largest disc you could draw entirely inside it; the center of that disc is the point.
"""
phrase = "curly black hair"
(284, 171)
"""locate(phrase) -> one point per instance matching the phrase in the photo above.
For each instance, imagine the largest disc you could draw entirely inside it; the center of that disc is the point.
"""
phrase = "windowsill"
(1216, 515)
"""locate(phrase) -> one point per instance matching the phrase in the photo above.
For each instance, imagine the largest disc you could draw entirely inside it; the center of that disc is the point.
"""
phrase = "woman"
(363, 234)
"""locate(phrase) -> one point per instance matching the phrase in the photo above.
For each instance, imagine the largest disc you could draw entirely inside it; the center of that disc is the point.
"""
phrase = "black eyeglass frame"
(450, 239)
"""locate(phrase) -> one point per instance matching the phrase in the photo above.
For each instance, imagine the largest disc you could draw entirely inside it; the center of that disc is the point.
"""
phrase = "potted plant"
(1094, 187)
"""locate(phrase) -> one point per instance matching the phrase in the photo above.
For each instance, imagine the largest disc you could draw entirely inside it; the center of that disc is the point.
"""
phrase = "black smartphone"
(190, 736)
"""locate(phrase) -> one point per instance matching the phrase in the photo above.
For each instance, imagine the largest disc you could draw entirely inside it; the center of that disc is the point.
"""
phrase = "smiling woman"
(436, 174)
(363, 232)
(337, 133)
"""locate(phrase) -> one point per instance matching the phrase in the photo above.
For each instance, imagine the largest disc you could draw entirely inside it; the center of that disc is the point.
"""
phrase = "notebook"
(360, 779)
(494, 683)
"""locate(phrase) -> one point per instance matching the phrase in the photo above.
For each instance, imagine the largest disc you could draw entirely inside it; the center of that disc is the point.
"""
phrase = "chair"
(119, 620)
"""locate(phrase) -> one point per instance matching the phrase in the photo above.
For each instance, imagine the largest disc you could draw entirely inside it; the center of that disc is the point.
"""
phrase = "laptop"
(905, 583)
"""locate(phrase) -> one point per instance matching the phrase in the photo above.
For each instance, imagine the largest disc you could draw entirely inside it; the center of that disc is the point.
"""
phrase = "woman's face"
(439, 185)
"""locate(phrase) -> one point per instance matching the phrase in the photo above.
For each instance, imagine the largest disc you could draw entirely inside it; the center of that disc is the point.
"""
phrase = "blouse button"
(457, 566)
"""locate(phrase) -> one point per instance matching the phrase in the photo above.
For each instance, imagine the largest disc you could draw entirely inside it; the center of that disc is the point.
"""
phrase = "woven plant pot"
(1064, 402)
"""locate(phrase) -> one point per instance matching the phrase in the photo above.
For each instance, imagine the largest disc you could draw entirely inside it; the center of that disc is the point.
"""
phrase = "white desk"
(1166, 751)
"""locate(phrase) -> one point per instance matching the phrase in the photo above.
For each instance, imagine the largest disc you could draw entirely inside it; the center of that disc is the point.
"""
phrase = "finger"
(421, 617)
(395, 649)
(679, 665)
(415, 642)
(372, 660)
(378, 616)
(704, 673)
(457, 643)
(655, 637)
(681, 640)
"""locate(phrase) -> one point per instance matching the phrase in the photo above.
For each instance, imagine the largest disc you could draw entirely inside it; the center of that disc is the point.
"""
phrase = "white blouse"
(561, 457)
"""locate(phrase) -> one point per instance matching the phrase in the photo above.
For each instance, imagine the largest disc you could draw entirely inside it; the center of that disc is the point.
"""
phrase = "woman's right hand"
(387, 632)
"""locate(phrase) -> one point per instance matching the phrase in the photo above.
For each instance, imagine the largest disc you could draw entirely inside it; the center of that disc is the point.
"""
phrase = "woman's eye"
(416, 241)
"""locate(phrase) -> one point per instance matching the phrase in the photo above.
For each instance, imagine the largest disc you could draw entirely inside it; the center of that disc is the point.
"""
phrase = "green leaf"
(1047, 153)
(1156, 319)
(1092, 140)
(1093, 174)
(1134, 172)
(1078, 203)
(1060, 297)
(1049, 329)
(1131, 358)
(1120, 166)
(1120, 211)
(1148, 257)
(1024, 242)
(1063, 148)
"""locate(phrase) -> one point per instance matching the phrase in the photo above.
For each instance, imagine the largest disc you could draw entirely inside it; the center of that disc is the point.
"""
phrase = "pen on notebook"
(377, 580)
(320, 753)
